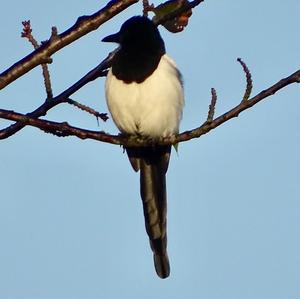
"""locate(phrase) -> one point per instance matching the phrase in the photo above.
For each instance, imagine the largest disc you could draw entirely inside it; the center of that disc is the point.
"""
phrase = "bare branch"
(206, 127)
(59, 129)
(83, 25)
(63, 129)
(98, 71)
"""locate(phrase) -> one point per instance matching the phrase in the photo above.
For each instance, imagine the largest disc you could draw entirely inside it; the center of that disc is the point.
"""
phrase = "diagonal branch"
(63, 97)
(234, 112)
(63, 129)
(83, 25)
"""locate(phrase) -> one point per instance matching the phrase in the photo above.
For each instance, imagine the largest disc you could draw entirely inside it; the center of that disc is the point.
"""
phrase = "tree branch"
(63, 97)
(59, 129)
(64, 129)
(234, 112)
(83, 25)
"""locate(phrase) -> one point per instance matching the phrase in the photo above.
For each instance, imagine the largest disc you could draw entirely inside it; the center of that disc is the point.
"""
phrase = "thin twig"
(211, 110)
(27, 33)
(249, 85)
(89, 110)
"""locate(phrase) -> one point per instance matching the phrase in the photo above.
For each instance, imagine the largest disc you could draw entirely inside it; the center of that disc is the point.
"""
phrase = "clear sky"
(71, 220)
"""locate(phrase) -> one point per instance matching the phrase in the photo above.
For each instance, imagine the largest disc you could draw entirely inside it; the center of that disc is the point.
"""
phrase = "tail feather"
(153, 164)
(162, 265)
(160, 256)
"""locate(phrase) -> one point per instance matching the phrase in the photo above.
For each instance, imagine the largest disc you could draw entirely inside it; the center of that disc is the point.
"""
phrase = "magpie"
(144, 94)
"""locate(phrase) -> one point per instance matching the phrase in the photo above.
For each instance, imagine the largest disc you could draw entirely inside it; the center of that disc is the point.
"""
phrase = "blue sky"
(71, 221)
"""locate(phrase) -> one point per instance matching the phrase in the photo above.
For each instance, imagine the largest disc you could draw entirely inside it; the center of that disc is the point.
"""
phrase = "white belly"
(152, 108)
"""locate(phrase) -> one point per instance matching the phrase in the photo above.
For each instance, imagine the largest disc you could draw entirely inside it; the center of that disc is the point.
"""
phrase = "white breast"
(152, 108)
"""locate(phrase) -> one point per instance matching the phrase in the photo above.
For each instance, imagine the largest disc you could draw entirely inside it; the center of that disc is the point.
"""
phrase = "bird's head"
(135, 32)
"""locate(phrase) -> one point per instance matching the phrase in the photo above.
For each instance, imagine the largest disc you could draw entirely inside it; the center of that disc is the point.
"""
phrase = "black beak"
(113, 38)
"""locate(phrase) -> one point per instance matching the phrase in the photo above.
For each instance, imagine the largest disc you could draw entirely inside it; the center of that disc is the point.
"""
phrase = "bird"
(145, 97)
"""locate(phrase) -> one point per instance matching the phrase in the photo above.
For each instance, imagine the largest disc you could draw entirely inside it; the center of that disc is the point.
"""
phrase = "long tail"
(153, 164)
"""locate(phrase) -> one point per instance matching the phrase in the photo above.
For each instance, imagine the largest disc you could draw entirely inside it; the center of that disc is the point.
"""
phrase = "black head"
(140, 51)
(137, 32)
